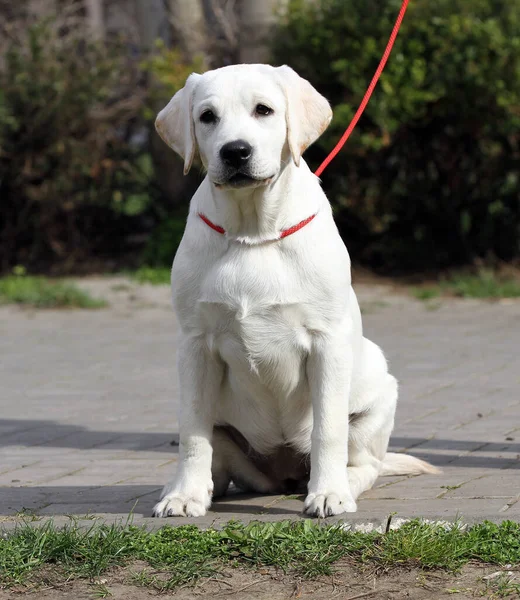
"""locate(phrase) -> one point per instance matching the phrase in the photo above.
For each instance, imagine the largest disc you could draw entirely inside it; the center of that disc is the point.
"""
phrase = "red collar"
(284, 233)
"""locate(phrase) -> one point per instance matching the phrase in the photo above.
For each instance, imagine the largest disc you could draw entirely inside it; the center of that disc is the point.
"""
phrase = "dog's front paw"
(178, 503)
(329, 503)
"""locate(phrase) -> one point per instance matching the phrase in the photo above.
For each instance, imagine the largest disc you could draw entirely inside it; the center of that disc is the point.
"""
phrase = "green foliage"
(40, 292)
(164, 241)
(169, 72)
(431, 175)
(73, 183)
(67, 106)
(185, 554)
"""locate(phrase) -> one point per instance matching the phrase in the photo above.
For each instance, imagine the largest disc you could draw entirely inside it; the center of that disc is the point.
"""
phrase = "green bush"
(430, 177)
(69, 177)
(168, 71)
(164, 241)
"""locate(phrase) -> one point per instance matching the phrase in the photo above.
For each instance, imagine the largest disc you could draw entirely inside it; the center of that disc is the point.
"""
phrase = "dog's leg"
(329, 370)
(231, 464)
(369, 436)
(200, 377)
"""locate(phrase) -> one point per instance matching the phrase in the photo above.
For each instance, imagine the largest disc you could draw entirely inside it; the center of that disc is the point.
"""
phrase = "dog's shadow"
(253, 504)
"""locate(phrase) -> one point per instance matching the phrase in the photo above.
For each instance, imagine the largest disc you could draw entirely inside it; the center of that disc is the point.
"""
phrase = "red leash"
(368, 93)
(346, 135)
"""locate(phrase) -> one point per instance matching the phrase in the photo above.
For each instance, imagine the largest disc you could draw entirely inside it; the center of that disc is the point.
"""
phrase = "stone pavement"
(88, 409)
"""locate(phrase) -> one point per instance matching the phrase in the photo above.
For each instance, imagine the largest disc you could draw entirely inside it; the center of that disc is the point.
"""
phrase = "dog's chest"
(258, 316)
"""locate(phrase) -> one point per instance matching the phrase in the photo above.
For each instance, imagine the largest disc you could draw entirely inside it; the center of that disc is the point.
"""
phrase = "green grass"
(484, 284)
(153, 275)
(185, 554)
(100, 590)
(503, 586)
(426, 293)
(40, 292)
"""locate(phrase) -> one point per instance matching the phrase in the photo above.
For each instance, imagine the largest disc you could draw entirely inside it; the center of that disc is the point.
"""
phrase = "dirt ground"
(350, 582)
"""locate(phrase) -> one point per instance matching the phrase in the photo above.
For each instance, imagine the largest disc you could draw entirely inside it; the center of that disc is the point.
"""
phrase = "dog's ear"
(175, 122)
(308, 113)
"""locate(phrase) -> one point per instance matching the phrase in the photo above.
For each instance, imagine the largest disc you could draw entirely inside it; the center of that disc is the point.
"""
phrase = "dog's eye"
(208, 116)
(263, 110)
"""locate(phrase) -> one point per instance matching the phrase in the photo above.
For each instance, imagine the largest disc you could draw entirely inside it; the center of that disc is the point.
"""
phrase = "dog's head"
(246, 121)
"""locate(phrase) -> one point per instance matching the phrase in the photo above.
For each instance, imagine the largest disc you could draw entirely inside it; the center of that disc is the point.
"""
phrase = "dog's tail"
(404, 464)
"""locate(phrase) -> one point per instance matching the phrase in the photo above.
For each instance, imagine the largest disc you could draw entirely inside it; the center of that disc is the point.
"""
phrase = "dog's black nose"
(236, 154)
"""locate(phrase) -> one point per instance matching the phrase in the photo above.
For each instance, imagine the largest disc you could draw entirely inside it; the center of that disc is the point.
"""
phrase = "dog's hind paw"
(329, 504)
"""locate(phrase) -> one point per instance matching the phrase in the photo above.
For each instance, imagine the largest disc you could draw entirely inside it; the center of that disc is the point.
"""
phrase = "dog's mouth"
(242, 180)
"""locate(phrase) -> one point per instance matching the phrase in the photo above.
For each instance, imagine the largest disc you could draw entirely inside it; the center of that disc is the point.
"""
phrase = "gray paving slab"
(88, 410)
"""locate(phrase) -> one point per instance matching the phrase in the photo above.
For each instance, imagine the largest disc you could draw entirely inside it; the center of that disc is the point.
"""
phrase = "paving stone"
(502, 484)
(89, 412)
(423, 486)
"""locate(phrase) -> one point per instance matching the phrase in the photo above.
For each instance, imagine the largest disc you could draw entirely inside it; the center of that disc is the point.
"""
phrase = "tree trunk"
(256, 20)
(189, 26)
(95, 18)
(186, 19)
(150, 16)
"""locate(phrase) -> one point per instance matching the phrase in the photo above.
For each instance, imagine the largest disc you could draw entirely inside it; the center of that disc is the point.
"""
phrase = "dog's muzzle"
(236, 157)
(236, 161)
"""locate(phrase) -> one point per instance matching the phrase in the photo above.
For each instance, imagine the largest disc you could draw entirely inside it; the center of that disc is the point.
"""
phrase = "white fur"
(271, 337)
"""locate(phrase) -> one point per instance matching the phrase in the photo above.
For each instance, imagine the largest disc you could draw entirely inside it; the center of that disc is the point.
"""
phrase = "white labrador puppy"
(278, 385)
